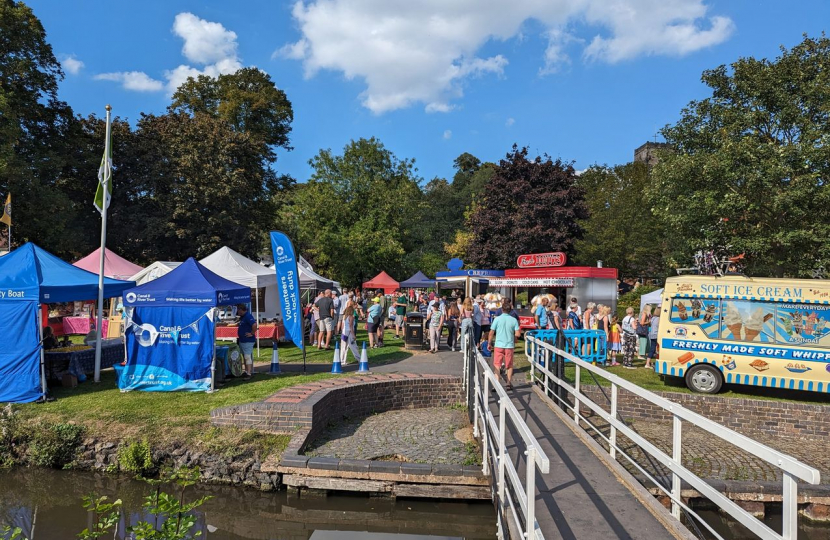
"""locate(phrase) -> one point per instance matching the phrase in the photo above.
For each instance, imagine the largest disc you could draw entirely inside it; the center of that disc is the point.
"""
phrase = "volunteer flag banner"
(104, 192)
(7, 211)
(288, 286)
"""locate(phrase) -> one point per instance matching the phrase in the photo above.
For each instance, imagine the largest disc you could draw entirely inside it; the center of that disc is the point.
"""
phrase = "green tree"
(191, 184)
(359, 212)
(750, 164)
(621, 229)
(248, 100)
(34, 128)
(529, 206)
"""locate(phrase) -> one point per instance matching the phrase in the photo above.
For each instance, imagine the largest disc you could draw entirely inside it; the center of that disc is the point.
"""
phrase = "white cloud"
(71, 64)
(510, 122)
(133, 80)
(206, 43)
(424, 52)
(447, 134)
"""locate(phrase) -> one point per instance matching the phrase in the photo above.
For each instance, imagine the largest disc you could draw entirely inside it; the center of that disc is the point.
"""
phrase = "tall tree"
(750, 164)
(621, 229)
(34, 125)
(359, 212)
(528, 206)
(248, 100)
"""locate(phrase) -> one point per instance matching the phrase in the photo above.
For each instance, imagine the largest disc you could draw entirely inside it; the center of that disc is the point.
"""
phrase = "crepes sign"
(541, 260)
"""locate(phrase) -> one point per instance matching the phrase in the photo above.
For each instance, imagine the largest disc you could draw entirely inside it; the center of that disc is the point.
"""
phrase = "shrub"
(11, 436)
(632, 299)
(136, 457)
(54, 445)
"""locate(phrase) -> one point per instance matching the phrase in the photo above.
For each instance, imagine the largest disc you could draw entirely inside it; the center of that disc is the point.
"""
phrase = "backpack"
(576, 321)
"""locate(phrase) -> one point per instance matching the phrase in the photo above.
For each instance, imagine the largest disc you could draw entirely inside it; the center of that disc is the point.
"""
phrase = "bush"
(632, 299)
(136, 457)
(11, 436)
(54, 445)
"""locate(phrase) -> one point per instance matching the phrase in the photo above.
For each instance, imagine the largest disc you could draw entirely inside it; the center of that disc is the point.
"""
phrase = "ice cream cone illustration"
(732, 319)
(681, 311)
(754, 324)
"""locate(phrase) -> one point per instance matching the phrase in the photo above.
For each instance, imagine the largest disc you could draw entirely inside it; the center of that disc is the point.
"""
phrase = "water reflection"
(47, 505)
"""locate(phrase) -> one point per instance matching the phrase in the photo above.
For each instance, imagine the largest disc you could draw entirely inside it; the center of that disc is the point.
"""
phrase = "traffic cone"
(275, 361)
(363, 366)
(335, 365)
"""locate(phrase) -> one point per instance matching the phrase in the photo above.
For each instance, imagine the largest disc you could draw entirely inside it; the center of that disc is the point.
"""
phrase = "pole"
(258, 353)
(99, 324)
(42, 357)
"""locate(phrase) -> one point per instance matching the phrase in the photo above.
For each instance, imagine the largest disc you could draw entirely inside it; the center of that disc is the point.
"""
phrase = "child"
(485, 348)
(614, 340)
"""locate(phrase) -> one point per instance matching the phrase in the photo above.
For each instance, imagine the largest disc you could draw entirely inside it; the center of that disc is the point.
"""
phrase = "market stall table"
(265, 331)
(80, 359)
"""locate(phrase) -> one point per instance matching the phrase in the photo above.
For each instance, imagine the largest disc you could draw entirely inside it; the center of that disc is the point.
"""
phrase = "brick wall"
(337, 398)
(751, 417)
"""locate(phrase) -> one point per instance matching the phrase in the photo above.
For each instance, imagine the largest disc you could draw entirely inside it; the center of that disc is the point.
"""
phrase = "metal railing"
(514, 498)
(541, 355)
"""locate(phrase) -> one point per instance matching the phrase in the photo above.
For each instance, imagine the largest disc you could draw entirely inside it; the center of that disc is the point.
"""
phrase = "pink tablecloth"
(77, 325)
(81, 325)
(263, 332)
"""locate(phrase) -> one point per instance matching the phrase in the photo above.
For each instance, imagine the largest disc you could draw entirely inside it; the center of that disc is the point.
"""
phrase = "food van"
(765, 332)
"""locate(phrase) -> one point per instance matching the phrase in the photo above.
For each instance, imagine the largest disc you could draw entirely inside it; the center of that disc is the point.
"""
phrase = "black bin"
(414, 331)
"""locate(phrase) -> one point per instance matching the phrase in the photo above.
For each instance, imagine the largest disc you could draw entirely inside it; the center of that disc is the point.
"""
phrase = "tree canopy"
(749, 169)
(529, 206)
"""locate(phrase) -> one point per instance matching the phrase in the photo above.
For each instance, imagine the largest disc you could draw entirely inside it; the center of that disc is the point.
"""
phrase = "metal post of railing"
(485, 398)
(477, 412)
(676, 457)
(576, 396)
(530, 469)
(502, 447)
(789, 501)
(613, 436)
(547, 370)
(560, 369)
(533, 364)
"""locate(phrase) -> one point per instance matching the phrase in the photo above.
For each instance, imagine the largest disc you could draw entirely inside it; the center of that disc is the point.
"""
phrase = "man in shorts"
(502, 341)
(400, 313)
(325, 319)
(246, 338)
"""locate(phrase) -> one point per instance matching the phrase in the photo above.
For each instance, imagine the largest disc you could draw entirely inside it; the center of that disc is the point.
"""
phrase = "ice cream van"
(740, 330)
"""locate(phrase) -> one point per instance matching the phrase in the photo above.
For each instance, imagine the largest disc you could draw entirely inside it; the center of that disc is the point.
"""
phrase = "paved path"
(580, 498)
(414, 435)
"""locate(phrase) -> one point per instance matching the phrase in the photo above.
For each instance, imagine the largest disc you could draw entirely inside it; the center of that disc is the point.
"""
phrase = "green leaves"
(749, 170)
(104, 516)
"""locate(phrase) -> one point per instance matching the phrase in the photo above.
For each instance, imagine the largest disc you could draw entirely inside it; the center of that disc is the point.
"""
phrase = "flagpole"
(105, 205)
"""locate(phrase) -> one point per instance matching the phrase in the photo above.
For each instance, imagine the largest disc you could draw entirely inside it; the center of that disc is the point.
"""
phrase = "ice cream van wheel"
(704, 378)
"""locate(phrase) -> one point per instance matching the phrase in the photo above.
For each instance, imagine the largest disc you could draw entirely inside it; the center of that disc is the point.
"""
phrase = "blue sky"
(584, 80)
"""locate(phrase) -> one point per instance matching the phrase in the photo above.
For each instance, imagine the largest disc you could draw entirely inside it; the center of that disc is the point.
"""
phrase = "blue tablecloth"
(81, 362)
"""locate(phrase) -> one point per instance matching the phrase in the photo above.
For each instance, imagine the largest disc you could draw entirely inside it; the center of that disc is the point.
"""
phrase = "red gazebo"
(382, 281)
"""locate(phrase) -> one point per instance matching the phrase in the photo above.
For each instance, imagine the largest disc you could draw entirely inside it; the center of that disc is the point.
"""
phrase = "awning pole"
(42, 355)
(257, 325)
(213, 361)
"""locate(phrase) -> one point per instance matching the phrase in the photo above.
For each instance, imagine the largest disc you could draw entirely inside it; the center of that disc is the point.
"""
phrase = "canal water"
(47, 504)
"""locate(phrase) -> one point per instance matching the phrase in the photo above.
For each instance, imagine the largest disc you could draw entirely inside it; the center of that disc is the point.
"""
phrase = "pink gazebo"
(115, 266)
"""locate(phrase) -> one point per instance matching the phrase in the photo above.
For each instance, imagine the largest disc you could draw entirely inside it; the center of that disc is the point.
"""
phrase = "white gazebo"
(154, 271)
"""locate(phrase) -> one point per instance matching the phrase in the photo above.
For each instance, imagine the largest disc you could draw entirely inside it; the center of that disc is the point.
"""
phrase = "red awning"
(382, 281)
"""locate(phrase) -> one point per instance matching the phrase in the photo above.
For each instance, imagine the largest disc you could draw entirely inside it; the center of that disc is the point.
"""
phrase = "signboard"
(532, 282)
(541, 260)
(288, 285)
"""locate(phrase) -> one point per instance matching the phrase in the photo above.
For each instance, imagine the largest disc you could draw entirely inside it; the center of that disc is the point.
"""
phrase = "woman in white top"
(347, 338)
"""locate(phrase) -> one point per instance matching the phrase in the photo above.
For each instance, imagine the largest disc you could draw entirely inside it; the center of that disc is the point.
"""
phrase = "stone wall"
(313, 406)
(754, 418)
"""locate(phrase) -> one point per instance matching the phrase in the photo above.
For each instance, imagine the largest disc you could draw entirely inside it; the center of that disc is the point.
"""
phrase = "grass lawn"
(648, 379)
(165, 417)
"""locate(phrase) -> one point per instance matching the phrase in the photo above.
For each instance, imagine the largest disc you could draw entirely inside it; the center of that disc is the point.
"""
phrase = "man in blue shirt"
(541, 314)
(502, 341)
(246, 338)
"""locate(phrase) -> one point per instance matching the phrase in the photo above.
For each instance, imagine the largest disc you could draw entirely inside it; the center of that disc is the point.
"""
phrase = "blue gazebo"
(31, 276)
(170, 329)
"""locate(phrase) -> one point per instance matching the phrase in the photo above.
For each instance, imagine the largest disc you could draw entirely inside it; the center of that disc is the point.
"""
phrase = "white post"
(485, 398)
(257, 325)
(613, 438)
(789, 500)
(547, 370)
(576, 396)
(99, 324)
(42, 354)
(675, 455)
(530, 466)
(213, 361)
(502, 447)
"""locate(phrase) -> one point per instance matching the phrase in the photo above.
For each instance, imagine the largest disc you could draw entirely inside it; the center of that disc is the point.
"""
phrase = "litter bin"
(414, 331)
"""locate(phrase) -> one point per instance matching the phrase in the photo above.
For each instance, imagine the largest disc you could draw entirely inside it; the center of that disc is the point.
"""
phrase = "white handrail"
(790, 467)
(493, 436)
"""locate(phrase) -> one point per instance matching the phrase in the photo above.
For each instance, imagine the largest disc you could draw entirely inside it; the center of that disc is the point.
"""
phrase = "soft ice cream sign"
(750, 290)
